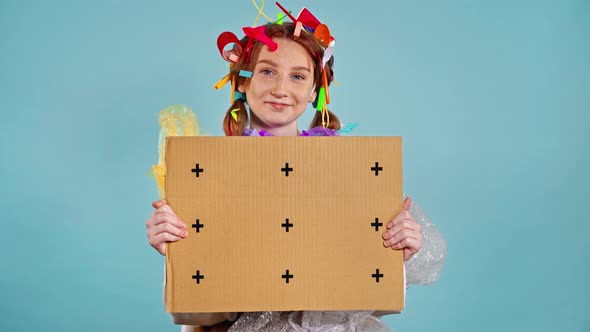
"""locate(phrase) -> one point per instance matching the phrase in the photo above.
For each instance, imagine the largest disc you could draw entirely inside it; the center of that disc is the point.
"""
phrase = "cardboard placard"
(284, 223)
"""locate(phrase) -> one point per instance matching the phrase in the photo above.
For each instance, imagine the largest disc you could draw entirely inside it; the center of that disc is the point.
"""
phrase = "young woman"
(276, 72)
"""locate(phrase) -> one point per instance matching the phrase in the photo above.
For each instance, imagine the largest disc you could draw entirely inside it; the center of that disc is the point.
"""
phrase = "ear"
(242, 88)
(313, 96)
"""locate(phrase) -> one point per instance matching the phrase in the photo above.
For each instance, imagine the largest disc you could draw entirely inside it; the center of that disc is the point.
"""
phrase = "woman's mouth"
(278, 106)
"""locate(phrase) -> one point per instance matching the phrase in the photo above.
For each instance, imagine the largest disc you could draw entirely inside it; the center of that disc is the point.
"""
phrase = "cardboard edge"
(405, 289)
(168, 268)
(168, 286)
(390, 311)
(401, 157)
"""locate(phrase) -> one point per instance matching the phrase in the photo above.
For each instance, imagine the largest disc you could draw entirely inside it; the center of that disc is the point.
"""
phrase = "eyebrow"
(272, 63)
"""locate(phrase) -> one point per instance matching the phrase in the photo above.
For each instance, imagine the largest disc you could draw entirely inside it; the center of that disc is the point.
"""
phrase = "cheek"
(305, 93)
(264, 86)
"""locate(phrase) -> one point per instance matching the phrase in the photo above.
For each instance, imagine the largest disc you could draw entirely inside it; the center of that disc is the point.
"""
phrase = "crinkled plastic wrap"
(175, 120)
(422, 269)
(310, 321)
(427, 264)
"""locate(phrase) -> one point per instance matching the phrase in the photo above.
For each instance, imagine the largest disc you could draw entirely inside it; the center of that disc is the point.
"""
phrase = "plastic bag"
(427, 264)
(310, 321)
(175, 120)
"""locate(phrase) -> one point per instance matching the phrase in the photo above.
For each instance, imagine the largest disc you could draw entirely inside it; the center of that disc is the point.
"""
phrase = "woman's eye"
(266, 72)
(298, 77)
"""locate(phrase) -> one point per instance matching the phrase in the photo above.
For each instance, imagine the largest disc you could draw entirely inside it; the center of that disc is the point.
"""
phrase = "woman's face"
(281, 87)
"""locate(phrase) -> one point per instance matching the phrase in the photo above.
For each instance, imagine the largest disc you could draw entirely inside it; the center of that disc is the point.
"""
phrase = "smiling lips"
(277, 105)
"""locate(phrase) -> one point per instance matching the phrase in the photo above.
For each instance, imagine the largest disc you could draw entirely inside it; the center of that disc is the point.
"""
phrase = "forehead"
(289, 54)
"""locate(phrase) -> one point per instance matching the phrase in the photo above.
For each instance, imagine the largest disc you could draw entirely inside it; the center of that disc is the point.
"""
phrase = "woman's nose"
(280, 88)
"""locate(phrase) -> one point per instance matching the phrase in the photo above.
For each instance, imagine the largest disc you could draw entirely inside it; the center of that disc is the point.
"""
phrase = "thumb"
(159, 203)
(407, 203)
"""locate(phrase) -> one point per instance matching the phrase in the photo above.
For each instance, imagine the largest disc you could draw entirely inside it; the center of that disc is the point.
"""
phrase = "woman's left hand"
(403, 232)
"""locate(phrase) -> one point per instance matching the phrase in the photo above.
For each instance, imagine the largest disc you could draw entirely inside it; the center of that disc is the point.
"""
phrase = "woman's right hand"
(164, 226)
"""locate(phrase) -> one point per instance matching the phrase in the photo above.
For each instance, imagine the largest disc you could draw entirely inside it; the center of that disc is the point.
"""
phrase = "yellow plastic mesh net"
(175, 120)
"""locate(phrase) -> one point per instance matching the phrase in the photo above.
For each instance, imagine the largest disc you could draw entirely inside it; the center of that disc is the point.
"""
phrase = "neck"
(288, 130)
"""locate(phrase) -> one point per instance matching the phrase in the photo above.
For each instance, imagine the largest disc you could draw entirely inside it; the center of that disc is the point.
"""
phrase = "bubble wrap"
(304, 321)
(422, 269)
(427, 264)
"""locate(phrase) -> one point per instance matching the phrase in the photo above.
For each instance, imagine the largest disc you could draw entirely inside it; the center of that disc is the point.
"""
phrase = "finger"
(409, 253)
(166, 209)
(168, 215)
(401, 235)
(162, 238)
(157, 204)
(405, 214)
(402, 224)
(155, 223)
(167, 228)
(409, 243)
(161, 249)
(407, 203)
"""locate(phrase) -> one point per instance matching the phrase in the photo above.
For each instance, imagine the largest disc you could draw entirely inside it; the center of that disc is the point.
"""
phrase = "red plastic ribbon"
(307, 18)
(323, 34)
(225, 39)
(259, 33)
(286, 12)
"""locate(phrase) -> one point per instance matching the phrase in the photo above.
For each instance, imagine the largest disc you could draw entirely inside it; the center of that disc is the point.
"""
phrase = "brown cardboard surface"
(242, 197)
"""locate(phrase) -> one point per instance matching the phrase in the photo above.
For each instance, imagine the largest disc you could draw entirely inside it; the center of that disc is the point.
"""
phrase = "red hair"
(315, 50)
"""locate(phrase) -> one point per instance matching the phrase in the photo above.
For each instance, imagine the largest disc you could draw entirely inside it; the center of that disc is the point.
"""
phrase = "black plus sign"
(376, 169)
(197, 170)
(287, 224)
(376, 224)
(197, 225)
(377, 275)
(287, 169)
(198, 276)
(286, 276)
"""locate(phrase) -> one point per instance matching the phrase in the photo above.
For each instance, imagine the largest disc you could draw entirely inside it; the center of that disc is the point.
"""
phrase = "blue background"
(491, 98)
